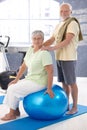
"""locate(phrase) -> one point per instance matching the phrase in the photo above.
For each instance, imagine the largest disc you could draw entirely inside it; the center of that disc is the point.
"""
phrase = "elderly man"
(66, 36)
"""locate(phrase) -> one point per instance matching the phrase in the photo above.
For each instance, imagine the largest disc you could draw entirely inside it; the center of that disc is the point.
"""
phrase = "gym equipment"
(41, 106)
(4, 42)
(6, 77)
(6, 74)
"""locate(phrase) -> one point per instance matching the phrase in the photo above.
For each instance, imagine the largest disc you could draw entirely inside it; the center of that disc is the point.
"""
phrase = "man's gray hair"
(38, 32)
(70, 7)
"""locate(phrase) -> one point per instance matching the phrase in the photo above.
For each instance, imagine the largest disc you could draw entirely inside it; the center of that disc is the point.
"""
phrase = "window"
(44, 15)
(18, 18)
(14, 21)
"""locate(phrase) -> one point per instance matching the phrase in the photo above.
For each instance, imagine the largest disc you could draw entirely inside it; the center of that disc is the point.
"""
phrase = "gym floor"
(77, 123)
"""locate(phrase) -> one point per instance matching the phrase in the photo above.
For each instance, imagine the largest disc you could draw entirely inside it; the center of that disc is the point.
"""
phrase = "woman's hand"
(50, 92)
(13, 82)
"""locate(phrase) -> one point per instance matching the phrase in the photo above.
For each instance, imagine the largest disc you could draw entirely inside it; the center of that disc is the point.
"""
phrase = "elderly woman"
(39, 76)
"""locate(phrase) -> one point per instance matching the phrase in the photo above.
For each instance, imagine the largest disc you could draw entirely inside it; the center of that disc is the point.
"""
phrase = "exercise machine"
(4, 42)
(6, 75)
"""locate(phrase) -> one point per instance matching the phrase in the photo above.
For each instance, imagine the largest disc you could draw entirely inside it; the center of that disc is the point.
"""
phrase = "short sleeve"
(73, 28)
(46, 58)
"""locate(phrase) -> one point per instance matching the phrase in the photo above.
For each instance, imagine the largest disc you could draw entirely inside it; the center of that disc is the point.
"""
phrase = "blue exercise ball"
(40, 106)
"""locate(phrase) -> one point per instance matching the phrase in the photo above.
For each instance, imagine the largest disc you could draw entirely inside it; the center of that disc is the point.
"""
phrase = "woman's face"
(37, 40)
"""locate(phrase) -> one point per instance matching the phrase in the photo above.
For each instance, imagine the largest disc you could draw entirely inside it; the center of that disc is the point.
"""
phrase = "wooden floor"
(77, 123)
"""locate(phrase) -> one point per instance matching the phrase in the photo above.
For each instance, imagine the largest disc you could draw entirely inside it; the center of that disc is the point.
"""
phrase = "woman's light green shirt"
(36, 63)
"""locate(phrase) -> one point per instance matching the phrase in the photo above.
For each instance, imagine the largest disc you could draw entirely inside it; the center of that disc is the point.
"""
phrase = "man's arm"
(65, 42)
(69, 37)
(49, 42)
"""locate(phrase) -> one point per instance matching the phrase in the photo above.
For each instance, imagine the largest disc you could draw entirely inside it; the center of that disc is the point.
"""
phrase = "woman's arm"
(19, 74)
(21, 71)
(49, 69)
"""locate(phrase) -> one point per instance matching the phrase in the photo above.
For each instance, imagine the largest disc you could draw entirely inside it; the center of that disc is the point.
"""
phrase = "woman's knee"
(11, 88)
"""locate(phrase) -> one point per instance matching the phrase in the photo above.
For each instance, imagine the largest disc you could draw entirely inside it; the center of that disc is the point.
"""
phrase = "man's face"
(65, 12)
